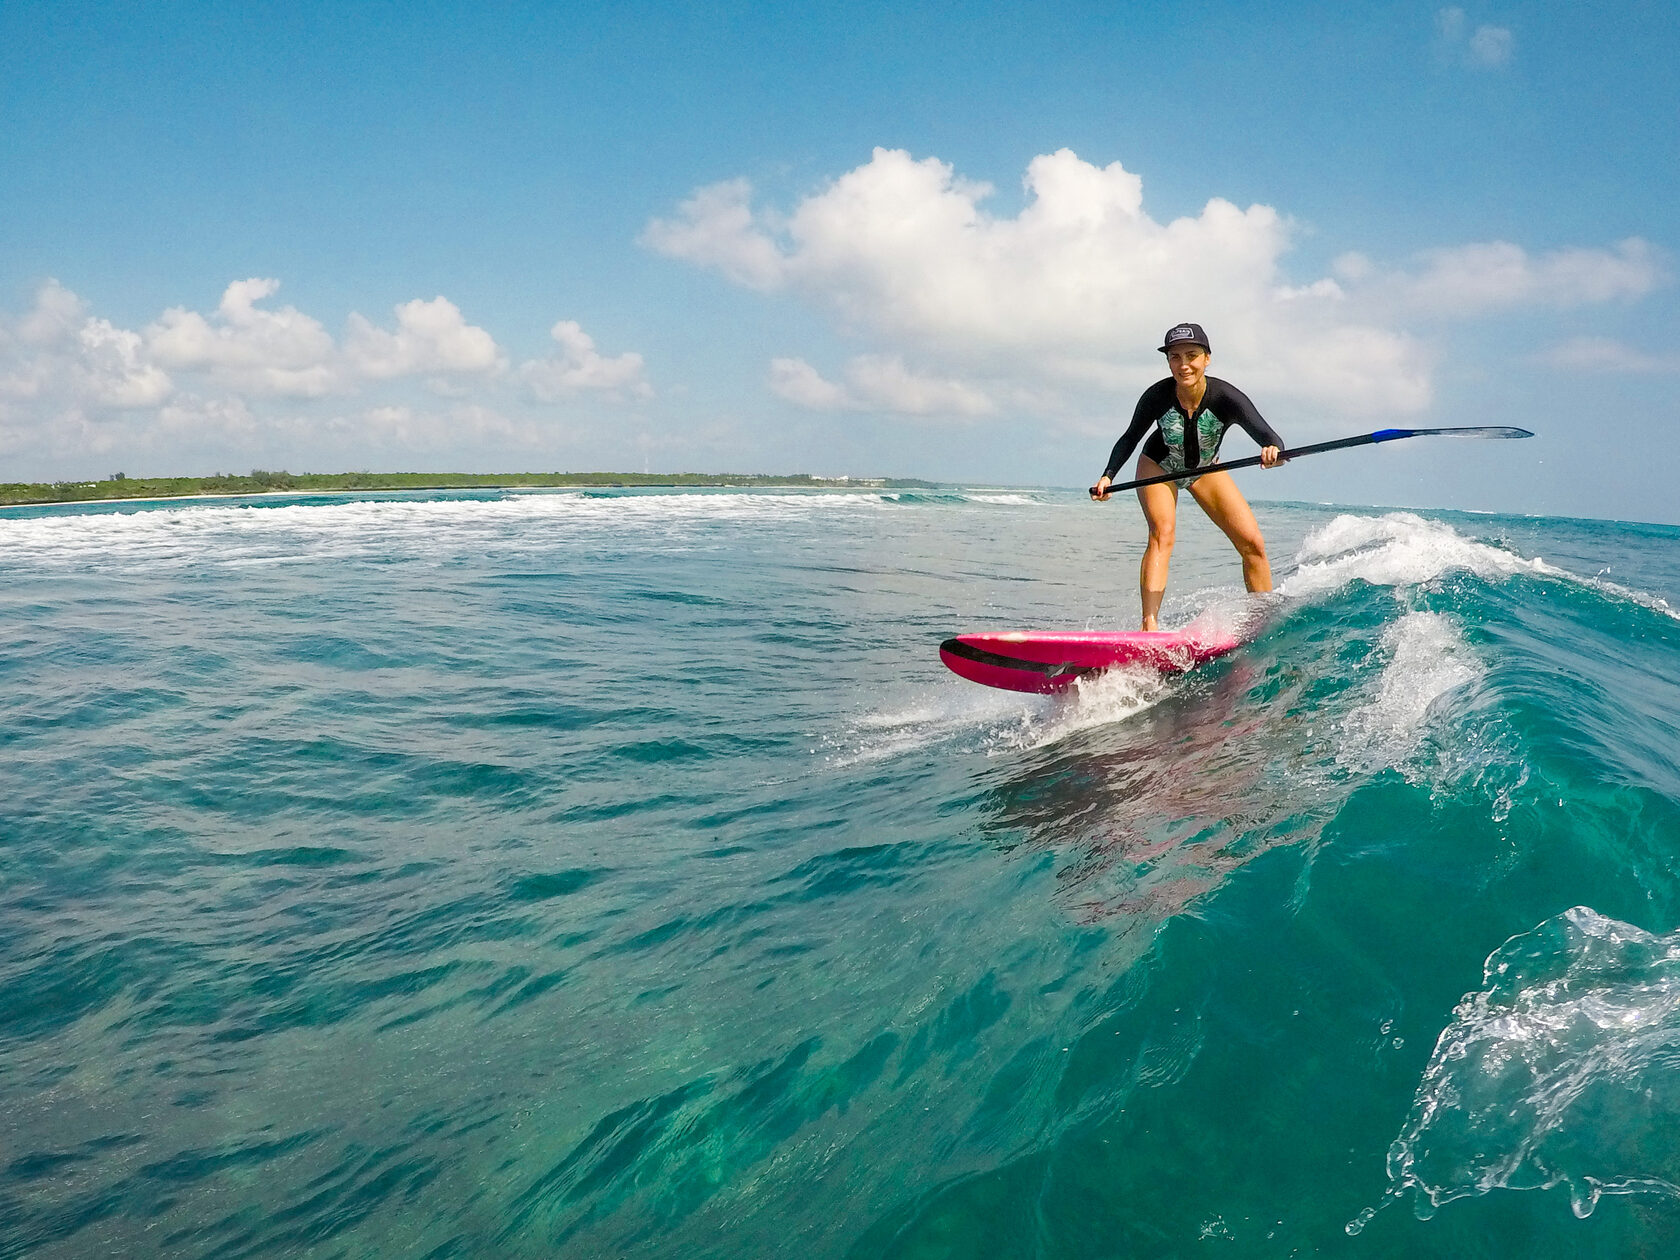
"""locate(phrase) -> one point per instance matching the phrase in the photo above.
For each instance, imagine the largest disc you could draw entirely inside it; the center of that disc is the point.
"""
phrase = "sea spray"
(1562, 1070)
(1427, 658)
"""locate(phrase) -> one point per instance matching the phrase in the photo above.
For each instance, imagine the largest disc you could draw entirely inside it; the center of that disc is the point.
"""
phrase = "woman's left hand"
(1270, 457)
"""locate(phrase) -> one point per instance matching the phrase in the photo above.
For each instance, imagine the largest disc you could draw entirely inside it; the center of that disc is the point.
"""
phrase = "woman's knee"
(1162, 533)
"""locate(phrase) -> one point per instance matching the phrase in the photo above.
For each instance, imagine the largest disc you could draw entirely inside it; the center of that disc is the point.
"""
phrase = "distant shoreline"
(120, 488)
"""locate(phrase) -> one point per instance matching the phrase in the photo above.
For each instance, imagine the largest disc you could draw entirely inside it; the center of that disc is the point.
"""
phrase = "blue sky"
(847, 239)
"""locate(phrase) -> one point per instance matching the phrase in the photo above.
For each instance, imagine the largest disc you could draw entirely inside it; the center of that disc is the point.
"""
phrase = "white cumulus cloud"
(117, 371)
(876, 382)
(799, 382)
(248, 347)
(219, 418)
(1476, 279)
(961, 310)
(1075, 289)
(905, 247)
(1487, 47)
(253, 371)
(58, 356)
(286, 353)
(431, 337)
(576, 365)
(718, 228)
(1490, 45)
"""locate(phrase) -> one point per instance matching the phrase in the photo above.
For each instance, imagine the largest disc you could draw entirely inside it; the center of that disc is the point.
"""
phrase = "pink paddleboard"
(1047, 661)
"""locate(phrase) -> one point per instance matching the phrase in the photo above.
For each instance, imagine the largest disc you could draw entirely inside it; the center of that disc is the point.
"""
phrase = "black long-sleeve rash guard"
(1179, 446)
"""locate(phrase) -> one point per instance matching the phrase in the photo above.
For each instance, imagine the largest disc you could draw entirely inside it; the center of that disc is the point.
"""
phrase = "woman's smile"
(1188, 365)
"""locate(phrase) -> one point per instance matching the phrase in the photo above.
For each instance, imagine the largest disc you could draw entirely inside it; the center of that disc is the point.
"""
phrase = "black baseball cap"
(1178, 334)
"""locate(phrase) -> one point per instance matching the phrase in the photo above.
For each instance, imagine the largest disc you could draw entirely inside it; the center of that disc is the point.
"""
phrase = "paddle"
(1295, 452)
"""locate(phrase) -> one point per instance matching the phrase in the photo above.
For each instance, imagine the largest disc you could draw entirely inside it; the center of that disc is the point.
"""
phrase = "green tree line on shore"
(264, 481)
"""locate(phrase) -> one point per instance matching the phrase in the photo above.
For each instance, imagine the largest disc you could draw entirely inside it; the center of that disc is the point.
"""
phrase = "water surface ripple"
(619, 873)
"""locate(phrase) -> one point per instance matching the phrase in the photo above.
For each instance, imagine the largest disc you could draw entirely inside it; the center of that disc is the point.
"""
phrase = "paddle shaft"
(1316, 448)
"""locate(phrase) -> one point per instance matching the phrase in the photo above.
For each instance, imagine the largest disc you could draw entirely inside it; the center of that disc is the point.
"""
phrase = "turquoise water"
(610, 874)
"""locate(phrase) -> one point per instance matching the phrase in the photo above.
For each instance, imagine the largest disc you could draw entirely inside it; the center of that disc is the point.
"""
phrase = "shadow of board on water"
(1148, 815)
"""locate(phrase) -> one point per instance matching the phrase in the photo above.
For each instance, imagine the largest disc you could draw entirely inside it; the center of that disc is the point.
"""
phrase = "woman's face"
(1188, 364)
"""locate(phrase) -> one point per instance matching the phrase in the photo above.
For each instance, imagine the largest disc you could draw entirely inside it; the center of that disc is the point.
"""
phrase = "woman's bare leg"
(1160, 510)
(1226, 507)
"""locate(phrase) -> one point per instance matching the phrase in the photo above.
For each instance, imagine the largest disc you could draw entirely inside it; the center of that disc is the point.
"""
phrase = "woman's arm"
(1237, 407)
(1141, 420)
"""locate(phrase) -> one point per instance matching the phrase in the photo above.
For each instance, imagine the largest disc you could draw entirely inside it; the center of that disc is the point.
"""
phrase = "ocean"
(620, 874)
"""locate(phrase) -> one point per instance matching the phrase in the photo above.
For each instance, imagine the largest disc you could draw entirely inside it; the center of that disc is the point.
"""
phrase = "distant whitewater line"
(261, 481)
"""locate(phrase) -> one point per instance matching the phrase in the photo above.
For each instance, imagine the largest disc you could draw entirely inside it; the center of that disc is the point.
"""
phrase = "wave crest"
(1400, 549)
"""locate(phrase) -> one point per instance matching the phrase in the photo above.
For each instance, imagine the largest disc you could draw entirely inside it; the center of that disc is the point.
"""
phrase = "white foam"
(223, 533)
(1097, 700)
(1403, 549)
(997, 722)
(200, 531)
(1427, 658)
(1561, 1071)
(953, 712)
(1400, 549)
(1116, 695)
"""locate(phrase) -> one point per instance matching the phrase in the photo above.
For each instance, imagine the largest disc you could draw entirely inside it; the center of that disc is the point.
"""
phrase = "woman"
(1190, 411)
